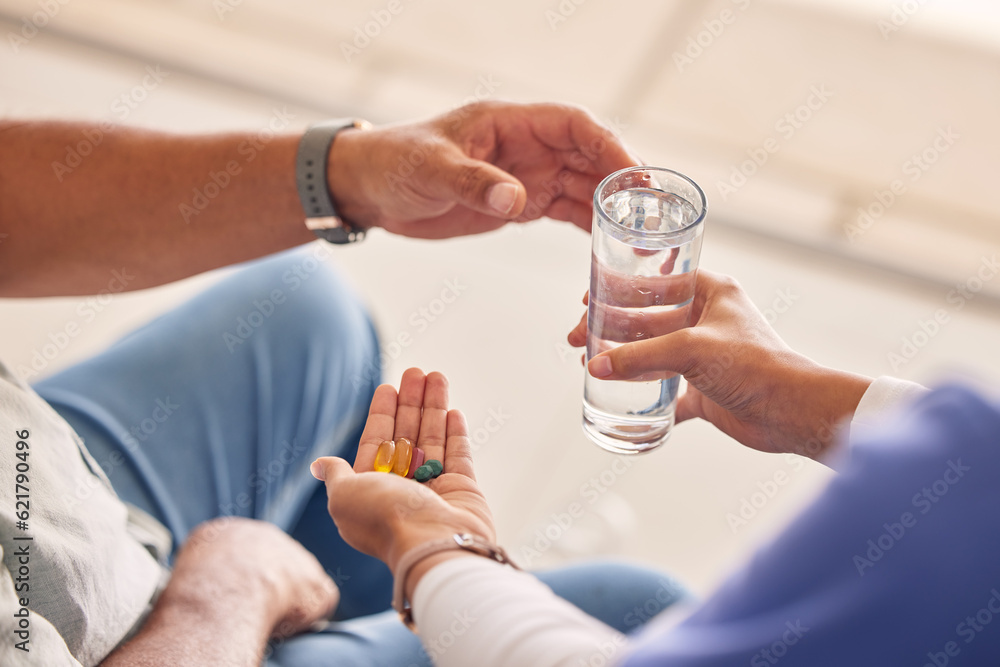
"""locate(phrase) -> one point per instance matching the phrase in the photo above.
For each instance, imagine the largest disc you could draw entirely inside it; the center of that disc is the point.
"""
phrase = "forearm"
(833, 395)
(160, 206)
(473, 611)
(219, 627)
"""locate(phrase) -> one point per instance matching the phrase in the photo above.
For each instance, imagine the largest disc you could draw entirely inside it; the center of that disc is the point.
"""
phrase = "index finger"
(594, 148)
(380, 425)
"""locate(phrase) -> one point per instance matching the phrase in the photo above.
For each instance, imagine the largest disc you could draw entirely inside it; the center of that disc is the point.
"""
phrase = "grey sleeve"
(25, 637)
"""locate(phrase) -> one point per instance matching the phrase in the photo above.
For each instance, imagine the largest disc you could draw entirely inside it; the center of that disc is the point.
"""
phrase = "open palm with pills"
(384, 514)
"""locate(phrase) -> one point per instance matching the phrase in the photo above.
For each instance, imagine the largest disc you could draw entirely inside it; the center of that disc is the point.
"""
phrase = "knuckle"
(463, 457)
(475, 109)
(684, 341)
(575, 111)
(469, 181)
(728, 285)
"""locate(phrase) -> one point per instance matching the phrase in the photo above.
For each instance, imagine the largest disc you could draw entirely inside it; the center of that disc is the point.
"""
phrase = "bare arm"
(132, 203)
(227, 629)
(236, 583)
(165, 207)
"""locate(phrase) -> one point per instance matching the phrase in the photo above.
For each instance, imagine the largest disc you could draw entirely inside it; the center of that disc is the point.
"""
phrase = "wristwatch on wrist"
(322, 216)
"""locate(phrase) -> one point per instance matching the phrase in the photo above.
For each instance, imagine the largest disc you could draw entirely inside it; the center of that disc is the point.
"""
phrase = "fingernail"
(600, 367)
(316, 468)
(501, 197)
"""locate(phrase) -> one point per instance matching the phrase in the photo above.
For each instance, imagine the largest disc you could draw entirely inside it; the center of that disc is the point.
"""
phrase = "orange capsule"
(404, 453)
(385, 456)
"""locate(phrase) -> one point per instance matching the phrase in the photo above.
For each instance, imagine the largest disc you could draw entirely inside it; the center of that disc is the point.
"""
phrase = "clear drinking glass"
(648, 224)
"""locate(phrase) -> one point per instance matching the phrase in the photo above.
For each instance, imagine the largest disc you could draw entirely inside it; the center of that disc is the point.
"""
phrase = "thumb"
(330, 468)
(480, 186)
(690, 405)
(670, 353)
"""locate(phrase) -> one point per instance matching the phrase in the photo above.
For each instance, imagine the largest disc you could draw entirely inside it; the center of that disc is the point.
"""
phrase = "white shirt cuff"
(883, 396)
(473, 611)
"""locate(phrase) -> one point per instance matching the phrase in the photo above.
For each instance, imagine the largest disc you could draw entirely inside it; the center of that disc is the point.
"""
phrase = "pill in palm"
(416, 461)
(384, 456)
(436, 466)
(404, 454)
(423, 473)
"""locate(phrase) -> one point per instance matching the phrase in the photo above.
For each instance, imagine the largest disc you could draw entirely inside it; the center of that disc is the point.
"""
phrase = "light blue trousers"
(219, 406)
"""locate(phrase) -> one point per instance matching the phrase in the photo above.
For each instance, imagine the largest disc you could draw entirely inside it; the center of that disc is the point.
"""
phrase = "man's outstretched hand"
(473, 169)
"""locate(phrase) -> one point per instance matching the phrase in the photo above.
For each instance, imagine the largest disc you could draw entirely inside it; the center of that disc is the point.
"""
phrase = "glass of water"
(648, 224)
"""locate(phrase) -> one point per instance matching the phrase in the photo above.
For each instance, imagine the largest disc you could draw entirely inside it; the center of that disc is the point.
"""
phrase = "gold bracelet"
(462, 541)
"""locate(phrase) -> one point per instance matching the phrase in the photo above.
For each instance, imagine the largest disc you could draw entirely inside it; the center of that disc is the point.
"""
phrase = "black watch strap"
(311, 178)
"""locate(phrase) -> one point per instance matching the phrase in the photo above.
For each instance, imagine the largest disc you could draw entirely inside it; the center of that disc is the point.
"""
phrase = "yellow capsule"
(404, 453)
(384, 456)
